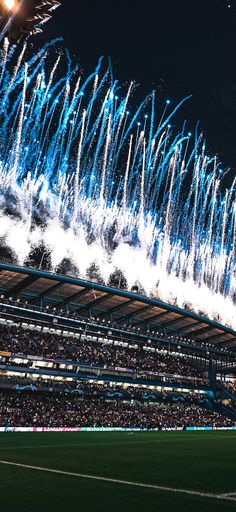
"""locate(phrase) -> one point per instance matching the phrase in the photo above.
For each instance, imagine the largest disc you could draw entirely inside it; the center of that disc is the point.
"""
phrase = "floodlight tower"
(22, 18)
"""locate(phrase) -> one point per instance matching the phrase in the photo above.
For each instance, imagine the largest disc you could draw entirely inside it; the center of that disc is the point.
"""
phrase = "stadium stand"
(30, 410)
(62, 369)
(87, 351)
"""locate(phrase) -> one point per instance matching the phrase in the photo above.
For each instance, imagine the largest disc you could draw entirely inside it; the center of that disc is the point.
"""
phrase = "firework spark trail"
(83, 178)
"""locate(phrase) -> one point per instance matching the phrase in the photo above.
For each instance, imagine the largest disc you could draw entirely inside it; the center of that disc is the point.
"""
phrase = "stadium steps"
(226, 411)
(225, 393)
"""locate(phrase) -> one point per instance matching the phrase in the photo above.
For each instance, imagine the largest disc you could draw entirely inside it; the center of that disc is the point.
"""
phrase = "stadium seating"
(66, 379)
(99, 353)
(19, 409)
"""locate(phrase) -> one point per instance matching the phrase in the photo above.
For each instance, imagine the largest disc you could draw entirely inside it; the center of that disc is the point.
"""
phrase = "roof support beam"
(142, 310)
(23, 284)
(227, 342)
(120, 306)
(213, 338)
(160, 315)
(202, 331)
(47, 292)
(150, 320)
(77, 295)
(95, 302)
(172, 323)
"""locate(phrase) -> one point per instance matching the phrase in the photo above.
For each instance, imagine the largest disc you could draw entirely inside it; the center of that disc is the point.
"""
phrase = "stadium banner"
(3, 353)
(199, 428)
(107, 429)
(71, 429)
(169, 429)
(211, 428)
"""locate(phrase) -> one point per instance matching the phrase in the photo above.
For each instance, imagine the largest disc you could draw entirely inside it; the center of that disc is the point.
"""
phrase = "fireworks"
(23, 18)
(89, 181)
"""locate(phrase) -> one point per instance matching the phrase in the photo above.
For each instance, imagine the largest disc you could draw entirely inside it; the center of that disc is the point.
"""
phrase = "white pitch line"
(226, 494)
(121, 482)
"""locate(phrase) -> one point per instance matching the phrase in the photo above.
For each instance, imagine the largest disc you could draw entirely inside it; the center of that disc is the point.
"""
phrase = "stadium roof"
(98, 300)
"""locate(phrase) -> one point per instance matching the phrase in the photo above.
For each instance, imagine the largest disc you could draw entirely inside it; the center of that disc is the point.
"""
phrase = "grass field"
(201, 462)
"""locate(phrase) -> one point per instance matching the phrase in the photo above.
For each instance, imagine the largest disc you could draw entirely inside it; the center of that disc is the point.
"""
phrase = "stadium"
(117, 287)
(77, 356)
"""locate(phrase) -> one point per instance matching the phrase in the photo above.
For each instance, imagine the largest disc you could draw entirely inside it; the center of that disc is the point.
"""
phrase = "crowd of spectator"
(89, 351)
(102, 390)
(18, 409)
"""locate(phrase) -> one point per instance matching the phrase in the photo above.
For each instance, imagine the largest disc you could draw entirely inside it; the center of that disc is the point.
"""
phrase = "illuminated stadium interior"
(80, 335)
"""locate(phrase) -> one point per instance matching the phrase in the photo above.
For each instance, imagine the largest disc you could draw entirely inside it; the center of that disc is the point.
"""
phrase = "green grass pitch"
(197, 461)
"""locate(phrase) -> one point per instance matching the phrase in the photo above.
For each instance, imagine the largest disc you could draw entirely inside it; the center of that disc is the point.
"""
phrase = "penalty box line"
(122, 482)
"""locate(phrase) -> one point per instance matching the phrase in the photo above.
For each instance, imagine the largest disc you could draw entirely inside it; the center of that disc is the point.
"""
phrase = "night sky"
(177, 47)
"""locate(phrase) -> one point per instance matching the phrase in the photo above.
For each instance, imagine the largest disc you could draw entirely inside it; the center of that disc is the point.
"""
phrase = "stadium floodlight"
(9, 4)
(23, 18)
